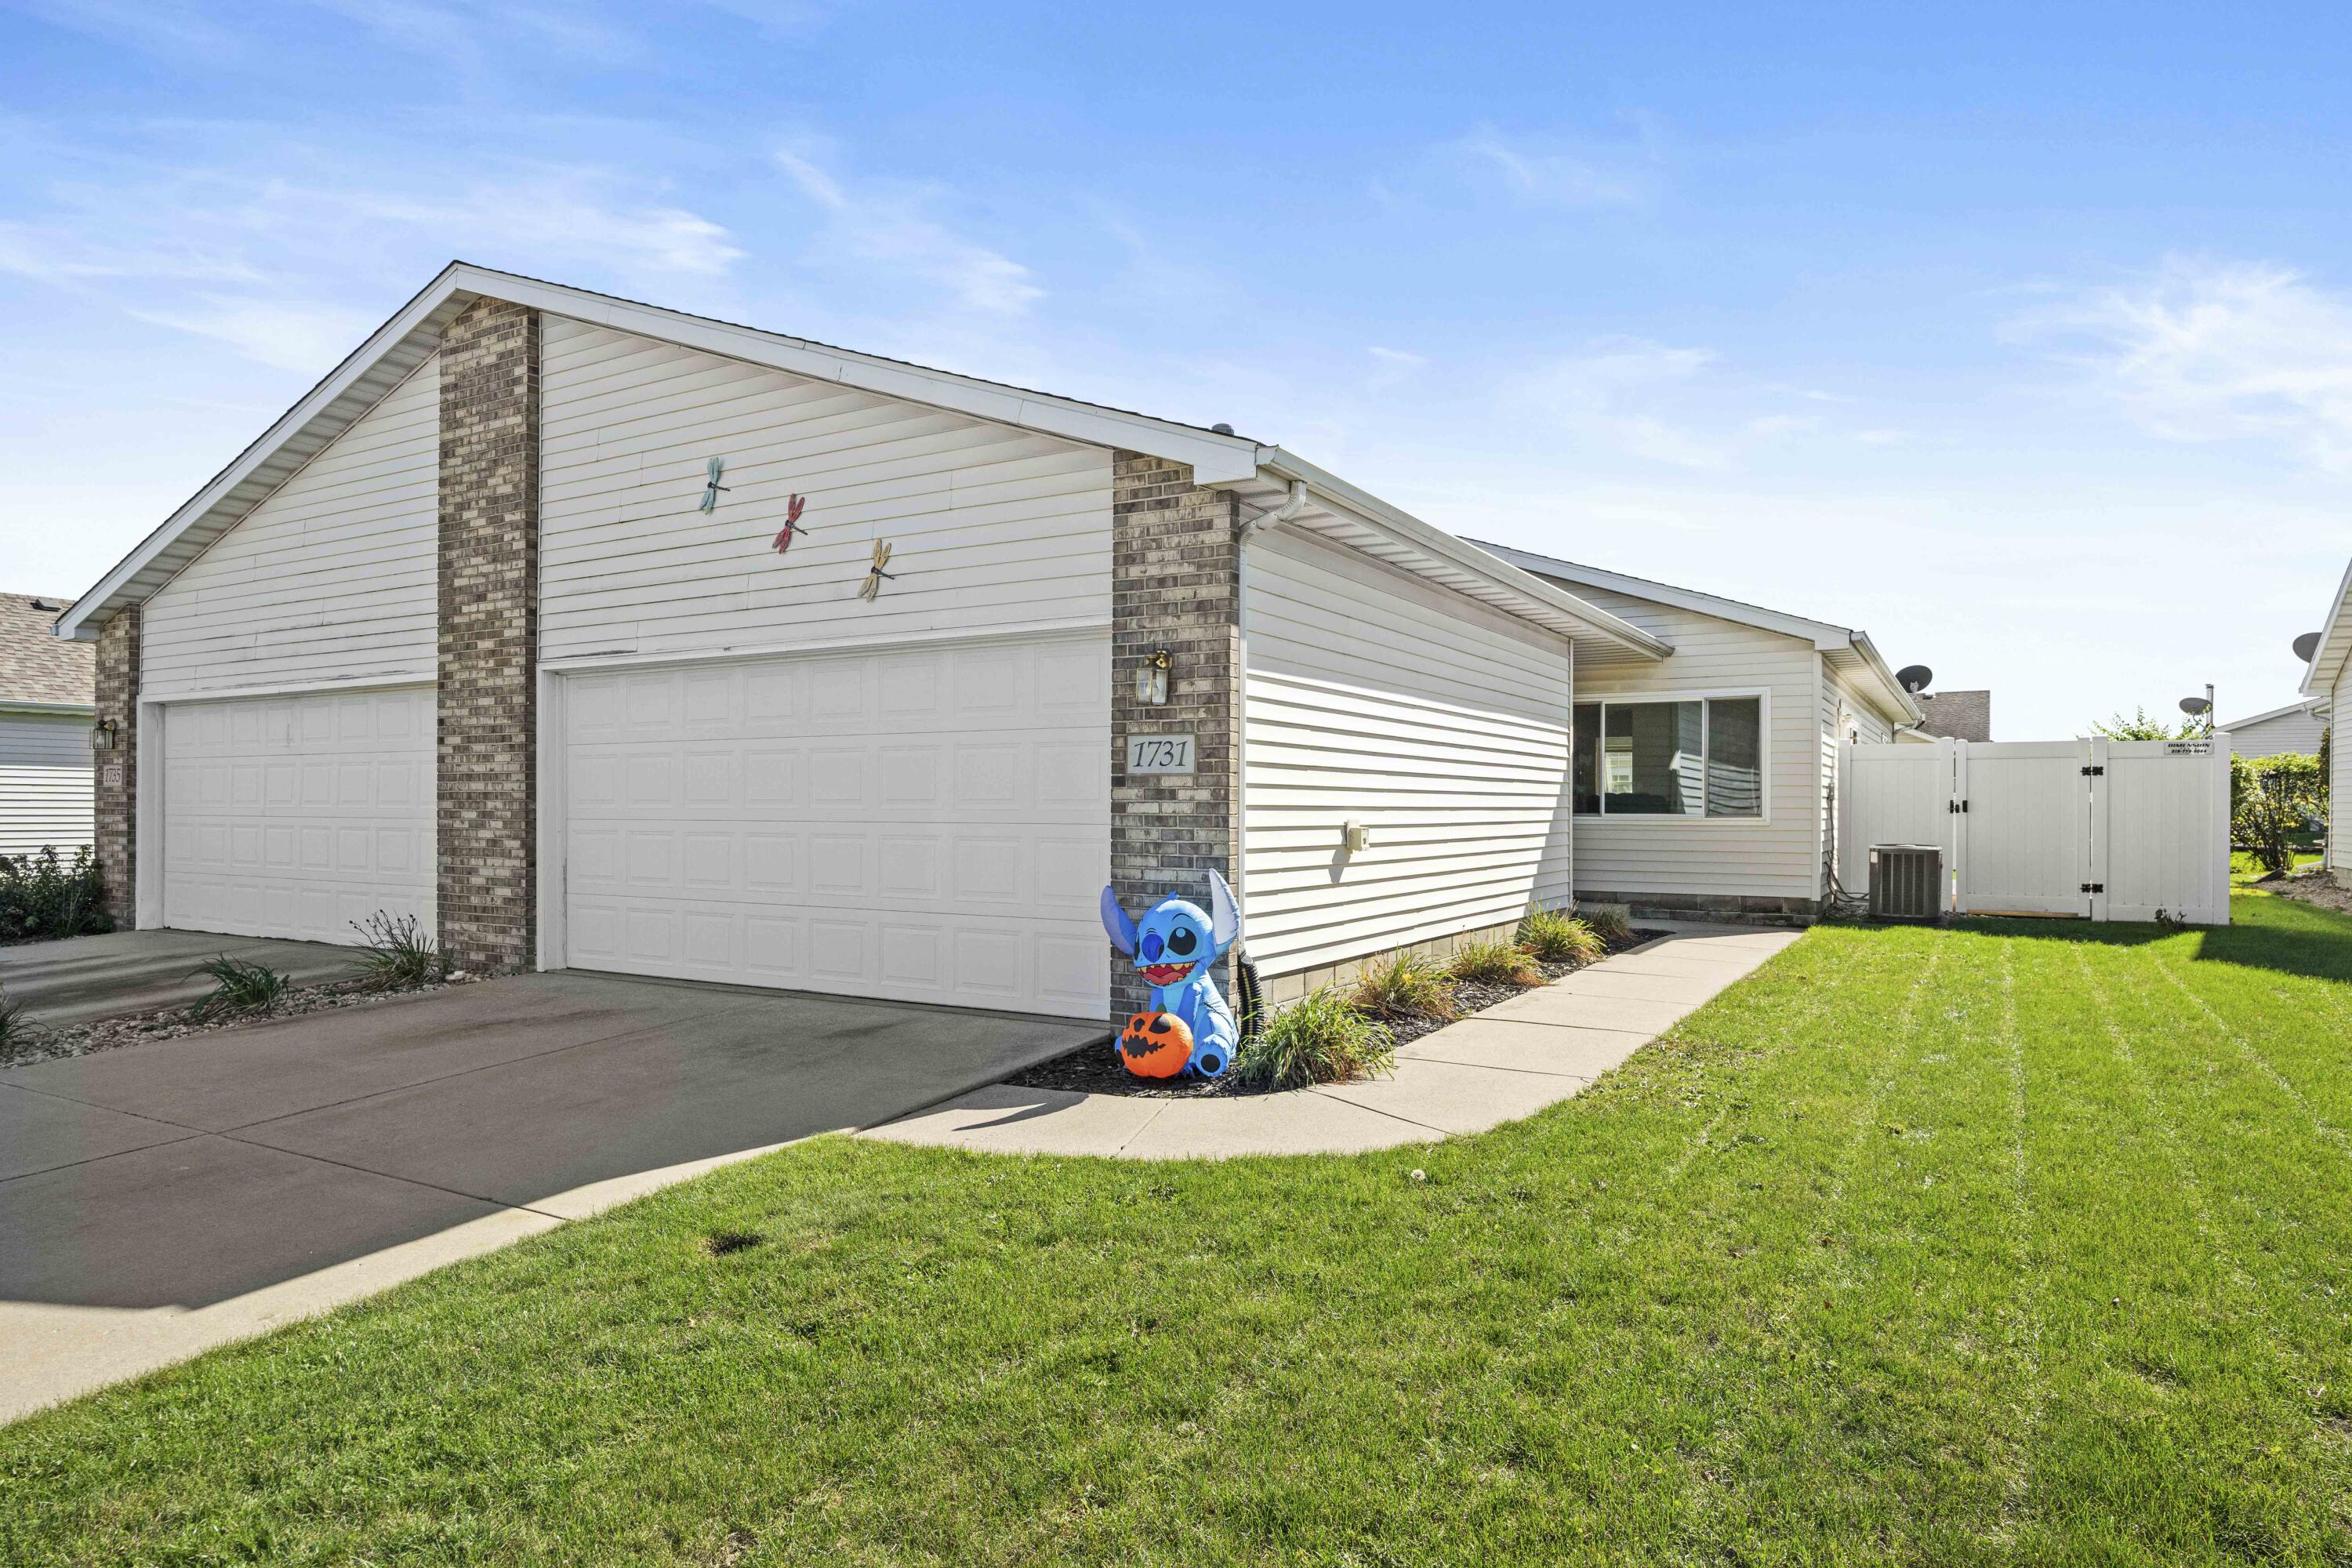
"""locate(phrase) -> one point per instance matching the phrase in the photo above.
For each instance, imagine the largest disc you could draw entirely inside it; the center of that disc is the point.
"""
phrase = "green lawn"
(2026, 1242)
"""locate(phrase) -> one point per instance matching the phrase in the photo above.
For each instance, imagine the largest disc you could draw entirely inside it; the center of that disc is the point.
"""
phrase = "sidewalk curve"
(1509, 1061)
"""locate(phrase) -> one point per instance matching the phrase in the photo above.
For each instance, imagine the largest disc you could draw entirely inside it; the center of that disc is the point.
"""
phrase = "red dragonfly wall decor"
(791, 523)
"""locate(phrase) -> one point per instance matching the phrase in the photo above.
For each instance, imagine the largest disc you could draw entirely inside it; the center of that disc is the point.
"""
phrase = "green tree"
(2276, 804)
(2140, 727)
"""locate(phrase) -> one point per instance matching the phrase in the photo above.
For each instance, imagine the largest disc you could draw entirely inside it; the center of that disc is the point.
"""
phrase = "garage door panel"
(297, 816)
(928, 826)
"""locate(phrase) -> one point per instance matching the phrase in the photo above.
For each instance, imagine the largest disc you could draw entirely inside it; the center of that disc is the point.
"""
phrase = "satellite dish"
(2193, 706)
(1914, 677)
(2305, 646)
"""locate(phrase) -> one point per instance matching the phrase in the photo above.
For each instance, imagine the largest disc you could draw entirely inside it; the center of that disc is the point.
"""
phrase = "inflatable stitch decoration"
(1190, 1029)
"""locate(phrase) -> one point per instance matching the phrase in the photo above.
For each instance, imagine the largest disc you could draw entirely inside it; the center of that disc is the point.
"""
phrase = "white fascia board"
(1825, 637)
(1281, 467)
(1215, 458)
(1899, 700)
(2335, 642)
(75, 624)
(2309, 705)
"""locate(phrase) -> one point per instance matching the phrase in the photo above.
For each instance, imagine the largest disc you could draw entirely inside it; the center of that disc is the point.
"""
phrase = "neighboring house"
(478, 633)
(2329, 679)
(1704, 783)
(1959, 715)
(48, 689)
(2293, 730)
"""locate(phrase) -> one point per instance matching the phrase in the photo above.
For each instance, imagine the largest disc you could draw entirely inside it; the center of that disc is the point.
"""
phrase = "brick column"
(488, 866)
(1175, 584)
(117, 798)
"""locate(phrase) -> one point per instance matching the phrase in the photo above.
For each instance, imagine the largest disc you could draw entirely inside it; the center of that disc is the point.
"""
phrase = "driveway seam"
(94, 1159)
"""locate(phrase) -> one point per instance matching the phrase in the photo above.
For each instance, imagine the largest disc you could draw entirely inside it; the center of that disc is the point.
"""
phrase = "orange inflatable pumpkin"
(1155, 1045)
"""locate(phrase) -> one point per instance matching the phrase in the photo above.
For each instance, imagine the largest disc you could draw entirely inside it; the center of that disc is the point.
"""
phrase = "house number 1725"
(1159, 754)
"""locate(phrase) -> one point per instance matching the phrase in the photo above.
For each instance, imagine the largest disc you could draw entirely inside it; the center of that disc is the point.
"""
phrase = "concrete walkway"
(123, 972)
(1509, 1061)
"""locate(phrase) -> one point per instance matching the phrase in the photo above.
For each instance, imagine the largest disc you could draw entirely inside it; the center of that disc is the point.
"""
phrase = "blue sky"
(2019, 336)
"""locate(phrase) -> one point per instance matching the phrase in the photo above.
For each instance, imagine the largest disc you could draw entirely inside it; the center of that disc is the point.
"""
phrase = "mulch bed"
(43, 1043)
(2311, 887)
(1096, 1069)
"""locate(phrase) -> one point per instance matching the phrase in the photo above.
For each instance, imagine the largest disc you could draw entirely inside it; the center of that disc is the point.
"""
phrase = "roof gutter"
(1295, 471)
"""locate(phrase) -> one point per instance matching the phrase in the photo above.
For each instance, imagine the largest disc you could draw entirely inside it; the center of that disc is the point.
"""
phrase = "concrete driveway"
(87, 977)
(199, 1173)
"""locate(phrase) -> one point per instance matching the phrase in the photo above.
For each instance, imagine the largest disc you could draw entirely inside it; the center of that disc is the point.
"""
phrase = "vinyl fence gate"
(2107, 830)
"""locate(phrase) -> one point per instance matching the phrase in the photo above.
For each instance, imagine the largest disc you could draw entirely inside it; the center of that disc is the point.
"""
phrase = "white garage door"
(295, 817)
(927, 826)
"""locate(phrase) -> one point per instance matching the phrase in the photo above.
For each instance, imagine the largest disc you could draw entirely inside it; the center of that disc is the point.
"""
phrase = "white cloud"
(1554, 175)
(891, 228)
(2206, 351)
(1612, 396)
(290, 336)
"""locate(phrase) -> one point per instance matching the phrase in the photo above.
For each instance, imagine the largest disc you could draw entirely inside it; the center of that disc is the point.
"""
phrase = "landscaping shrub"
(1493, 964)
(43, 896)
(398, 955)
(1612, 924)
(1405, 984)
(1558, 938)
(240, 986)
(14, 1027)
(2274, 803)
(1321, 1038)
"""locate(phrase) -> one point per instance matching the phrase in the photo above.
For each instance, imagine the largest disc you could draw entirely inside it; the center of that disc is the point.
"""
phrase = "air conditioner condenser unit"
(1907, 882)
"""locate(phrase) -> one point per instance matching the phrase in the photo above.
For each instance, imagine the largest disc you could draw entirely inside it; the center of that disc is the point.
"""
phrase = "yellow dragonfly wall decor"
(875, 576)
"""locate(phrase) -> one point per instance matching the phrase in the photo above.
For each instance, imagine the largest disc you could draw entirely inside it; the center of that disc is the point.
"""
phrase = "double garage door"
(298, 816)
(924, 826)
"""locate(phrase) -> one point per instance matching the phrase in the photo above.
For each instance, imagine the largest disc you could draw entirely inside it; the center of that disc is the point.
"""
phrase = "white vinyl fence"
(2108, 830)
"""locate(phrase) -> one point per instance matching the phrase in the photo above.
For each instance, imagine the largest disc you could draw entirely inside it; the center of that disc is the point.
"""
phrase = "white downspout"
(1289, 507)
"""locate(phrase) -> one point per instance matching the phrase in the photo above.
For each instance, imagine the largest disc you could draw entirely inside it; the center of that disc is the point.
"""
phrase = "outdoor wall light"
(1152, 679)
(101, 735)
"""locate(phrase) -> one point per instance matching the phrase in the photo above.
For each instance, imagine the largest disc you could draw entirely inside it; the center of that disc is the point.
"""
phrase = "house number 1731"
(1159, 754)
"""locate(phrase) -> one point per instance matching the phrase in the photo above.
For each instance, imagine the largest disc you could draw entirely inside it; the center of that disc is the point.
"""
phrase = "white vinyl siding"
(1439, 724)
(990, 527)
(2296, 732)
(1840, 701)
(44, 782)
(1777, 857)
(2339, 787)
(333, 577)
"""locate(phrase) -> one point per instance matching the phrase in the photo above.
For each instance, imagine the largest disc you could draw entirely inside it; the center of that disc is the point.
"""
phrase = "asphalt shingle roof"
(37, 666)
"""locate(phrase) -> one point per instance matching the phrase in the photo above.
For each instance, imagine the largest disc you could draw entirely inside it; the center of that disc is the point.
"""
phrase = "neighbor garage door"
(928, 826)
(296, 817)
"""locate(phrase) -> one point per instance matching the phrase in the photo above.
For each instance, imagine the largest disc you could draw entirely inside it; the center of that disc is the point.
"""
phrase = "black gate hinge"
(2093, 887)
(1955, 807)
(2093, 773)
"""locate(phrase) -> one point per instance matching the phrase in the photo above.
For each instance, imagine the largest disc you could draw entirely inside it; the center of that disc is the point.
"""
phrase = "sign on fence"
(2107, 830)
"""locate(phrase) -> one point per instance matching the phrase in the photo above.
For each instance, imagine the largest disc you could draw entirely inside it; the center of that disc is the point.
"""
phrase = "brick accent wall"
(488, 702)
(1175, 584)
(116, 839)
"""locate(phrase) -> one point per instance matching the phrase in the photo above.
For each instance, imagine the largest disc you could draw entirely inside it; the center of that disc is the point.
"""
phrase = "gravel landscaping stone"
(40, 1043)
